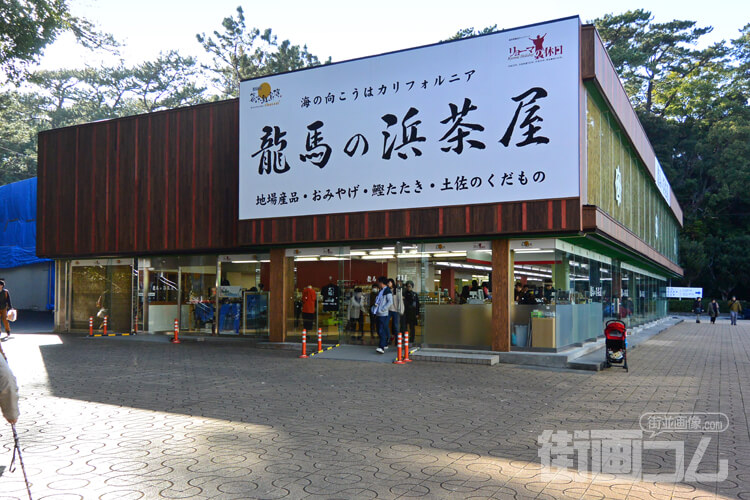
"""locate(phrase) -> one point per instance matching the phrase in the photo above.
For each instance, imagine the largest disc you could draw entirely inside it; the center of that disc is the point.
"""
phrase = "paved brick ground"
(126, 419)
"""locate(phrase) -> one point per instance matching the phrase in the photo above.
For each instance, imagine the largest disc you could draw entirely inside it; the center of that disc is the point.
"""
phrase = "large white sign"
(482, 120)
(683, 292)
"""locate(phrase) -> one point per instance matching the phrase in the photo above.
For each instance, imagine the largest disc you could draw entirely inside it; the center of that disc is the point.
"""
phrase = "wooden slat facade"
(167, 183)
(159, 183)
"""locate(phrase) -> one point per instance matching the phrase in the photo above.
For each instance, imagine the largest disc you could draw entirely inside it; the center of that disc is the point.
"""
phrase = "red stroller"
(616, 344)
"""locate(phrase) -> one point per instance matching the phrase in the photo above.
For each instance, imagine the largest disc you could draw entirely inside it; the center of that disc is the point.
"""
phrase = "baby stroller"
(616, 344)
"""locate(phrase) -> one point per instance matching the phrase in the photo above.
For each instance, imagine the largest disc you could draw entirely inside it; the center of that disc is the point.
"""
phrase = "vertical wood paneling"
(223, 178)
(127, 177)
(159, 189)
(482, 219)
(168, 182)
(536, 216)
(424, 222)
(397, 223)
(454, 220)
(376, 224)
(573, 214)
(200, 184)
(193, 196)
(337, 227)
(512, 217)
(111, 189)
(86, 176)
(501, 302)
(171, 155)
(357, 226)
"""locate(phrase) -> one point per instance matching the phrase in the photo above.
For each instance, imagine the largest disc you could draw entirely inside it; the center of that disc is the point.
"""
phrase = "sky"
(348, 29)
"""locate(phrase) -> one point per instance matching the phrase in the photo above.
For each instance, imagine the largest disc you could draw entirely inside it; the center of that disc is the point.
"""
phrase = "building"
(508, 158)
(29, 279)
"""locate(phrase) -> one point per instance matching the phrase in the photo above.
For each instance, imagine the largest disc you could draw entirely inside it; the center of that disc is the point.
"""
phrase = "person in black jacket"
(697, 309)
(5, 306)
(411, 311)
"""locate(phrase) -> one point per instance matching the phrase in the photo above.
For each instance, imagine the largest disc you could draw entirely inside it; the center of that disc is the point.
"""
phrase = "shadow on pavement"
(33, 322)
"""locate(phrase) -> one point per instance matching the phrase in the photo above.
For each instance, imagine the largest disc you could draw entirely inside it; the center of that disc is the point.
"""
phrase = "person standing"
(357, 313)
(373, 318)
(713, 311)
(380, 309)
(396, 309)
(734, 309)
(697, 309)
(411, 310)
(5, 306)
(309, 306)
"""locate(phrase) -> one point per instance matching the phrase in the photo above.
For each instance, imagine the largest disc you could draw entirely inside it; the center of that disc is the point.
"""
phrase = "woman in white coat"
(357, 313)
(8, 392)
(396, 309)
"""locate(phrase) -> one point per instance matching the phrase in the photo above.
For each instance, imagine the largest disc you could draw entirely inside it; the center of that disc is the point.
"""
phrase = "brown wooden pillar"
(281, 285)
(448, 281)
(501, 293)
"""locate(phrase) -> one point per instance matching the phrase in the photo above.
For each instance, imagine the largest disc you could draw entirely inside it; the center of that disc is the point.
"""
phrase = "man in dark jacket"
(697, 309)
(734, 309)
(411, 311)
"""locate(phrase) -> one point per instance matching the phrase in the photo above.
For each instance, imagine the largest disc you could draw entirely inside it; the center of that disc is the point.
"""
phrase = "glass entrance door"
(321, 290)
(411, 264)
(101, 288)
(197, 294)
(244, 295)
(158, 290)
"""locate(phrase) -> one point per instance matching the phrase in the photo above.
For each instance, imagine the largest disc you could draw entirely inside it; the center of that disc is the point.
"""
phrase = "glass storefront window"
(457, 294)
(197, 290)
(426, 276)
(158, 281)
(98, 289)
(243, 295)
(561, 297)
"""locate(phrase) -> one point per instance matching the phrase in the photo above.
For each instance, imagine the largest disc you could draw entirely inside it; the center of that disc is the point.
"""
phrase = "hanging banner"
(482, 120)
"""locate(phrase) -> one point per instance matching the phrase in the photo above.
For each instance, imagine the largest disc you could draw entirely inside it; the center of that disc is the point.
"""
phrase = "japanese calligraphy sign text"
(482, 120)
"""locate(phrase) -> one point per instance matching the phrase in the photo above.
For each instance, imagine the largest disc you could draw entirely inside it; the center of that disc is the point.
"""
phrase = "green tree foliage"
(652, 58)
(167, 82)
(17, 137)
(693, 104)
(240, 53)
(59, 98)
(469, 32)
(28, 26)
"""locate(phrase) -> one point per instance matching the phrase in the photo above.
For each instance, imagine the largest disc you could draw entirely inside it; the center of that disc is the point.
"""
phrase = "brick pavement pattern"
(126, 419)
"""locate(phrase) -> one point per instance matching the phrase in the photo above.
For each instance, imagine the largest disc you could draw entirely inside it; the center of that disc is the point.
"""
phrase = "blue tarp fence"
(18, 224)
(18, 230)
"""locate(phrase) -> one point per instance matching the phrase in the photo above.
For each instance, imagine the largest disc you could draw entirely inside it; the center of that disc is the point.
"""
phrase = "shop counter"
(543, 332)
(465, 325)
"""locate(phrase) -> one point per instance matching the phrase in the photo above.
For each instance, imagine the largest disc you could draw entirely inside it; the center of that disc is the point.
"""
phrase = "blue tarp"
(18, 224)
